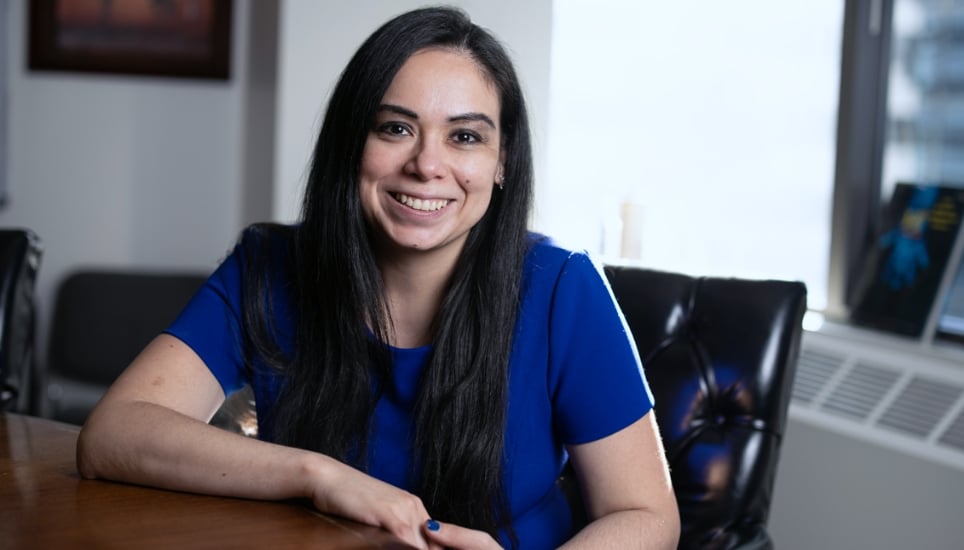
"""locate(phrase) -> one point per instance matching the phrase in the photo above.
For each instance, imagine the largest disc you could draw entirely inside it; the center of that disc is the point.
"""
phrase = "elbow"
(93, 445)
(671, 524)
(673, 529)
(660, 529)
(662, 526)
(86, 455)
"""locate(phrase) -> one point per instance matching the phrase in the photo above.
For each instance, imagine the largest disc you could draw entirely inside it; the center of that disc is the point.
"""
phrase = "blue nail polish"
(432, 525)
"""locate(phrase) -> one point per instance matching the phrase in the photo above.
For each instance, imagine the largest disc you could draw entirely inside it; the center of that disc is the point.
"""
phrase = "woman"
(420, 361)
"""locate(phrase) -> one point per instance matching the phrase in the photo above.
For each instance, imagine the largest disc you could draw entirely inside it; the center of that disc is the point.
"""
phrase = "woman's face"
(433, 156)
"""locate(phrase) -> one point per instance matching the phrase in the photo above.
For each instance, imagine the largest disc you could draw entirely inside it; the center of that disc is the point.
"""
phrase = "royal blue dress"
(574, 377)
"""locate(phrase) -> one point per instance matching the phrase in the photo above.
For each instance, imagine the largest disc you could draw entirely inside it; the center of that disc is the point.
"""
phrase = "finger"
(455, 536)
(408, 530)
(416, 540)
(431, 526)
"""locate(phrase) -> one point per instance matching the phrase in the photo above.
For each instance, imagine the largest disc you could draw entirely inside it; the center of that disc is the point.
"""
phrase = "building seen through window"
(925, 130)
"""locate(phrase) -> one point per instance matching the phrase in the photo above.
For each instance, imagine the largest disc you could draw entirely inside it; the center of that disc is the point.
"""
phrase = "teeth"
(419, 204)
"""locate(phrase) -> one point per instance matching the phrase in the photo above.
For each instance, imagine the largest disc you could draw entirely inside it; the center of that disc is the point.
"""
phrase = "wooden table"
(44, 503)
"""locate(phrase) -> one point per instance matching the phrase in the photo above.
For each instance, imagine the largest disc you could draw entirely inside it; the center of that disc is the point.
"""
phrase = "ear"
(500, 170)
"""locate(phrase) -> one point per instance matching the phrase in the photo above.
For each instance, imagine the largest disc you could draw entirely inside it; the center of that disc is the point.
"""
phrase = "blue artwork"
(904, 274)
(908, 249)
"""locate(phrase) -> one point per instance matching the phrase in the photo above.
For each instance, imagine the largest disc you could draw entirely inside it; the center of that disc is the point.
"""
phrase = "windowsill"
(939, 352)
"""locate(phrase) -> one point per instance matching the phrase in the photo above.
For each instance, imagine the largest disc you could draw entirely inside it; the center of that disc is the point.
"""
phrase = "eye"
(465, 137)
(394, 129)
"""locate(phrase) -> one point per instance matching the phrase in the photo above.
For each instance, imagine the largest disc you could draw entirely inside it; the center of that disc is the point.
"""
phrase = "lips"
(423, 205)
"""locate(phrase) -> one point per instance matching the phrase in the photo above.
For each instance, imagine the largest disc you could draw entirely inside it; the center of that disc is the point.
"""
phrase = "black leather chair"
(720, 356)
(20, 254)
(102, 319)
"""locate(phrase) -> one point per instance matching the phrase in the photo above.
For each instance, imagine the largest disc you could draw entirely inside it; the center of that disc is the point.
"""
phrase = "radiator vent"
(861, 390)
(954, 436)
(905, 399)
(814, 370)
(920, 406)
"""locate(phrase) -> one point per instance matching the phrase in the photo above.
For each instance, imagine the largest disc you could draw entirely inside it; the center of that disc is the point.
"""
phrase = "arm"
(602, 407)
(151, 429)
(626, 489)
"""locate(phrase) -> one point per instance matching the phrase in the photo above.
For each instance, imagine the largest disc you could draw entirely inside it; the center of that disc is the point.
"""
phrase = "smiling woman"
(419, 359)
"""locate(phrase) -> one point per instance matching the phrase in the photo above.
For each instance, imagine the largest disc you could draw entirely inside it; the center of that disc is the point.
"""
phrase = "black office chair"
(20, 254)
(102, 319)
(720, 355)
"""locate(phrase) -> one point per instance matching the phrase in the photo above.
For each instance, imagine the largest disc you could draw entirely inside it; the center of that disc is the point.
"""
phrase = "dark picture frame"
(166, 38)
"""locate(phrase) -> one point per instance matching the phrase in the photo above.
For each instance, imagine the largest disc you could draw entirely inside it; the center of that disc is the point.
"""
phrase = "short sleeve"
(210, 324)
(597, 382)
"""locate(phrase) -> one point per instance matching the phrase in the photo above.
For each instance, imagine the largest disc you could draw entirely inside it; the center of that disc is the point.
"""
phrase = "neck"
(415, 285)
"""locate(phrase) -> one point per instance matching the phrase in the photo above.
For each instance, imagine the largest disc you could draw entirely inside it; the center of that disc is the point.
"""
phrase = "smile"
(427, 205)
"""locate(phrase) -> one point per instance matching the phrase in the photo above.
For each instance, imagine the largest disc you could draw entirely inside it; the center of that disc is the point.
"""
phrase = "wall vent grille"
(814, 370)
(885, 390)
(920, 406)
(954, 436)
(861, 390)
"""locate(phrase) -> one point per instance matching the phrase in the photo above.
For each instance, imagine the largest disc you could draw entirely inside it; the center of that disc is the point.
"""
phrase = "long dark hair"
(327, 401)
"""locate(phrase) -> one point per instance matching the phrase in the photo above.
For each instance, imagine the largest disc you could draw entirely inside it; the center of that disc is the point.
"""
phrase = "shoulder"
(267, 234)
(548, 260)
(266, 244)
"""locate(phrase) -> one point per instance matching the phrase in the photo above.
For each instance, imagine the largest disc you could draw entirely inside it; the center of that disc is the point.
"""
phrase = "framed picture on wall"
(176, 38)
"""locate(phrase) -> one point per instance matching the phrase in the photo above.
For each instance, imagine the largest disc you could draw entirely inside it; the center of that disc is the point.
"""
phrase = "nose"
(427, 160)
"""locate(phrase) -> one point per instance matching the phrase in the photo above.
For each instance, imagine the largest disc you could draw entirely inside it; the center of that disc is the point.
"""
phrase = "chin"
(421, 246)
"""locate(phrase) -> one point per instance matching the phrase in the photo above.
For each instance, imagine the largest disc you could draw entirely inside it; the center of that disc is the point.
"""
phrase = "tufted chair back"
(20, 253)
(720, 356)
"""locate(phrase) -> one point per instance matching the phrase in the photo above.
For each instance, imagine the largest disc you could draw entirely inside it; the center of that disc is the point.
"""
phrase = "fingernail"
(432, 525)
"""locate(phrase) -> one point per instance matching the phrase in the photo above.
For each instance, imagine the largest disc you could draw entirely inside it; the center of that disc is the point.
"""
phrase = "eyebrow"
(465, 117)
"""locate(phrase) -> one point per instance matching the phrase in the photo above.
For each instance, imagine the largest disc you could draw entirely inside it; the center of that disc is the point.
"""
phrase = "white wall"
(834, 491)
(318, 38)
(146, 172)
(122, 171)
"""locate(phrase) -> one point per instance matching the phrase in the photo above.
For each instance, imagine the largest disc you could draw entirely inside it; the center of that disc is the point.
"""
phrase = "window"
(924, 139)
(924, 133)
(901, 120)
(696, 137)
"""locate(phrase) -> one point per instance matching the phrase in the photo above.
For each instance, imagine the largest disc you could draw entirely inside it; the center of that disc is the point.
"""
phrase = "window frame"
(861, 131)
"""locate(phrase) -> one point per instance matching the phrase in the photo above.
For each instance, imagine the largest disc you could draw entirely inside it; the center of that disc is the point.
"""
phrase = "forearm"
(627, 529)
(147, 444)
(144, 443)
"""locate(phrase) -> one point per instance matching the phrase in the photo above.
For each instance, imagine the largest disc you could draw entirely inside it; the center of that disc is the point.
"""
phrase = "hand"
(458, 538)
(347, 492)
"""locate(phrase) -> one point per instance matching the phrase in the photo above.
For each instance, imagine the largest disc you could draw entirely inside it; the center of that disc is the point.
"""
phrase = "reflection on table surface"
(44, 503)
